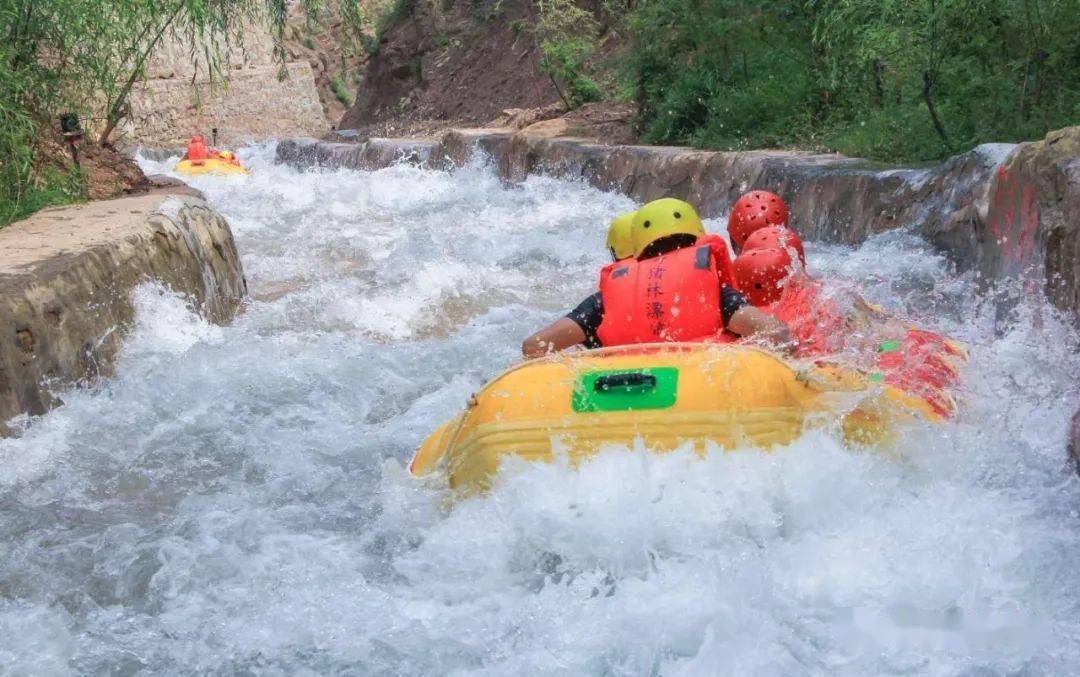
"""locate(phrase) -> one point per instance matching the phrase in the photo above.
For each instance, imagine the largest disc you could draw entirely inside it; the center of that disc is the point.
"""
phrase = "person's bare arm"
(749, 322)
(559, 335)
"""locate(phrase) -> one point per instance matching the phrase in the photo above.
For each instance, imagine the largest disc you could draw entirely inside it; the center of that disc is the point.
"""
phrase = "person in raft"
(770, 271)
(753, 211)
(677, 285)
(198, 152)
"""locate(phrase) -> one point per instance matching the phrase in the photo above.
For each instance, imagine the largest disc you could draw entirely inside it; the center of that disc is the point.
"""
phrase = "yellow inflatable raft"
(208, 166)
(668, 395)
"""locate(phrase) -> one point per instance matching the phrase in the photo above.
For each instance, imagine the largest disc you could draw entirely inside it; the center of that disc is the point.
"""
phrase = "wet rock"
(832, 197)
(301, 152)
(1023, 221)
(379, 153)
(1040, 234)
(455, 148)
(66, 280)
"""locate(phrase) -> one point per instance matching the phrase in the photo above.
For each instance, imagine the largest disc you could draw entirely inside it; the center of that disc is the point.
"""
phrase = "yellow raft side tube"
(208, 166)
(669, 395)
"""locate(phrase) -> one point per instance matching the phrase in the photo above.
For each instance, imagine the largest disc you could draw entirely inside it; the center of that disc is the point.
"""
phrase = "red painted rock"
(1074, 440)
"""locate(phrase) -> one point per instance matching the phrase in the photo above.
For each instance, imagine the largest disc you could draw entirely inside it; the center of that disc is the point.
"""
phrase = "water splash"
(234, 499)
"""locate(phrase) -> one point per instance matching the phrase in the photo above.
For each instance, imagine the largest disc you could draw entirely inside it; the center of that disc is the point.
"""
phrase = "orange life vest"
(671, 297)
(196, 150)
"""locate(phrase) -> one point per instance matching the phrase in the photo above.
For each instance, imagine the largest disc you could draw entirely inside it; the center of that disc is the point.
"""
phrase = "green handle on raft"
(889, 346)
(632, 381)
(625, 390)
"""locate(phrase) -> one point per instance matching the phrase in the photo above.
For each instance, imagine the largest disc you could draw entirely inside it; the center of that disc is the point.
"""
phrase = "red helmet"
(759, 272)
(756, 209)
(775, 236)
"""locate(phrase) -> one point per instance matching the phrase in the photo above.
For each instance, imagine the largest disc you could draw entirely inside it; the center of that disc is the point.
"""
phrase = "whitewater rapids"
(234, 500)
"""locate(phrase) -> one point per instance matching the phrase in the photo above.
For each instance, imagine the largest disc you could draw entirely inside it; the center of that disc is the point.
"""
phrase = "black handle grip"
(628, 381)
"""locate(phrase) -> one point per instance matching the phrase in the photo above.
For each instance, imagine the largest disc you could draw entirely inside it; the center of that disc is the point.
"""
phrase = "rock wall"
(325, 43)
(66, 280)
(1004, 210)
(251, 102)
(252, 105)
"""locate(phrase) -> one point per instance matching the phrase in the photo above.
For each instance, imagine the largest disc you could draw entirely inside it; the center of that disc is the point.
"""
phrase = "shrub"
(337, 85)
(568, 36)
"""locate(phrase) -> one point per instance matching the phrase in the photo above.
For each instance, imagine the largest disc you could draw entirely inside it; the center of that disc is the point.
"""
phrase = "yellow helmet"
(226, 155)
(619, 242)
(663, 217)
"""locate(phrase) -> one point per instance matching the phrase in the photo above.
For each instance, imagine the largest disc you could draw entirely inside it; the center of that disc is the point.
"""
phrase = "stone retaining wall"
(1004, 210)
(66, 279)
(253, 104)
(247, 101)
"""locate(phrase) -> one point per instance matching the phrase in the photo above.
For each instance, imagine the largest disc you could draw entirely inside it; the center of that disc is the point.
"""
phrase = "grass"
(341, 91)
(59, 188)
(36, 199)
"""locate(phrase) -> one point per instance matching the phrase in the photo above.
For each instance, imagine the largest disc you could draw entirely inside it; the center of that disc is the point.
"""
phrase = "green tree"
(889, 79)
(723, 73)
(958, 71)
(567, 36)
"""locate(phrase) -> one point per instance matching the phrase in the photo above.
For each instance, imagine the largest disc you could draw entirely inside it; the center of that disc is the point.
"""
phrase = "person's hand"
(751, 322)
(559, 335)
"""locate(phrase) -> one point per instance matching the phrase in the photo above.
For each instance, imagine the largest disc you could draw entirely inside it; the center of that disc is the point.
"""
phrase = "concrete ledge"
(304, 153)
(66, 277)
(832, 197)
(1004, 210)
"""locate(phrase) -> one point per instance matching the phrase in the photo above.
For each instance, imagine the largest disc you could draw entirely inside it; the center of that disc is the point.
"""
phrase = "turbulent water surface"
(235, 500)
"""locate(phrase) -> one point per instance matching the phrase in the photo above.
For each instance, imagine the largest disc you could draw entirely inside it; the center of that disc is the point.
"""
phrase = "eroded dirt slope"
(460, 62)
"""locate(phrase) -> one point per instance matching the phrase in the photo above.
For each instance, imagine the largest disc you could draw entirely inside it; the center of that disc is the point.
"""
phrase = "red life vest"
(921, 363)
(196, 150)
(813, 320)
(671, 297)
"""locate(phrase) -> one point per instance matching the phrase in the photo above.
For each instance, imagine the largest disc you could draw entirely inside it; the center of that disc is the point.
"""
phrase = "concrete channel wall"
(66, 277)
(1005, 210)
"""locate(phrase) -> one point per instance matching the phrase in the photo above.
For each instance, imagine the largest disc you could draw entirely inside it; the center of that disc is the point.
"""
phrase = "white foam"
(234, 499)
